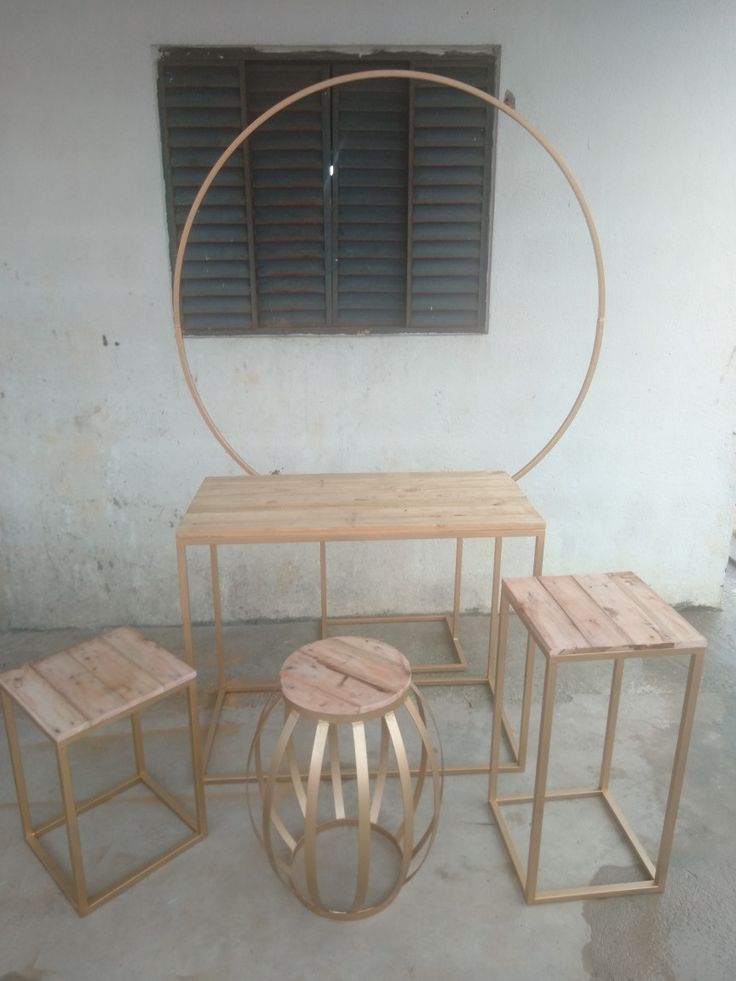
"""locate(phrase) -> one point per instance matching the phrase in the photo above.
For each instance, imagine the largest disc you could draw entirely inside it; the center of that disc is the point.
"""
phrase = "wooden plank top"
(345, 678)
(95, 681)
(591, 614)
(357, 507)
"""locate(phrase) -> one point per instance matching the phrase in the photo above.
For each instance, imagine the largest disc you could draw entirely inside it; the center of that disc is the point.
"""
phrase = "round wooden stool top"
(344, 679)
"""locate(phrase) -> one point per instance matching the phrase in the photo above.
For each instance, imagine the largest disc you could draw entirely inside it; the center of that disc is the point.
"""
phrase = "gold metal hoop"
(362, 76)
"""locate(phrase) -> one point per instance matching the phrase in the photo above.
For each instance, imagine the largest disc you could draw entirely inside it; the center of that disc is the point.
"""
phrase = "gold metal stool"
(114, 676)
(359, 692)
(585, 618)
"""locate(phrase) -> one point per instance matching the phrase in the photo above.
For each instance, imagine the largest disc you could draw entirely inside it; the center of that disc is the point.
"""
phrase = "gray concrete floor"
(217, 912)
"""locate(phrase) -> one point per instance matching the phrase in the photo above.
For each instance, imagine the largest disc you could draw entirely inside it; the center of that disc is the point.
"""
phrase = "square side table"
(582, 618)
(72, 692)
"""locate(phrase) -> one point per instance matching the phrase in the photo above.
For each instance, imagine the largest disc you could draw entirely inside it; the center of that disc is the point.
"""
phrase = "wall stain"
(89, 420)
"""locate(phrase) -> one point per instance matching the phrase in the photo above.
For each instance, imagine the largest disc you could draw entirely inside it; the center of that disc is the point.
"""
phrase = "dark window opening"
(365, 208)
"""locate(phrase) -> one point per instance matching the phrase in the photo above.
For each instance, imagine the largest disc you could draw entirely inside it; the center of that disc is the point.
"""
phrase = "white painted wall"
(102, 446)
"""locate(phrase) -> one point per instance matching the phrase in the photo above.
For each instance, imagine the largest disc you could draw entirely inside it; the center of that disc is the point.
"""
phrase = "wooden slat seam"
(344, 673)
(624, 586)
(645, 611)
(67, 707)
(188, 672)
(565, 614)
(303, 682)
(594, 646)
(334, 648)
(107, 691)
(528, 621)
(531, 626)
(130, 695)
(664, 642)
(33, 667)
(105, 640)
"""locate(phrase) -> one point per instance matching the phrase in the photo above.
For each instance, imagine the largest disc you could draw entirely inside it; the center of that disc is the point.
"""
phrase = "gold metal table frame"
(324, 508)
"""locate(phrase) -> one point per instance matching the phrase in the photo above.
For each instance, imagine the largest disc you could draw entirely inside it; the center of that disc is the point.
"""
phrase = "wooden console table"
(322, 508)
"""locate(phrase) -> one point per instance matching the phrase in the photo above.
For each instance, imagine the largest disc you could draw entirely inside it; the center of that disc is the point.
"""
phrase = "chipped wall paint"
(103, 447)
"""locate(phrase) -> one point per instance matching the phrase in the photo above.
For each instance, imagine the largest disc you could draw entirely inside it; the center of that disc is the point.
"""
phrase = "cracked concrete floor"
(217, 913)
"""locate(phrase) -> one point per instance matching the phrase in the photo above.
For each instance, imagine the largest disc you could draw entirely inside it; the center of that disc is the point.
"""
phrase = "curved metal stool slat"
(361, 688)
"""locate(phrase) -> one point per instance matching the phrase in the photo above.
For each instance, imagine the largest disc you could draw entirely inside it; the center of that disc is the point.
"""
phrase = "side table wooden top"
(357, 507)
(93, 682)
(583, 614)
(345, 678)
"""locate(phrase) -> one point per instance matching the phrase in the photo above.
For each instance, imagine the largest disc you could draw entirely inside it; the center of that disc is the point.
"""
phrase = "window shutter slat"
(287, 166)
(370, 195)
(201, 116)
(450, 203)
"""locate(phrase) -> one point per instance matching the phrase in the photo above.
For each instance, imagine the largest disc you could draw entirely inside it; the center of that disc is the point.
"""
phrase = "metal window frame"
(239, 57)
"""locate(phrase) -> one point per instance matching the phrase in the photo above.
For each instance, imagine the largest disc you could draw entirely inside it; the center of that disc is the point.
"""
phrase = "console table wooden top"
(357, 507)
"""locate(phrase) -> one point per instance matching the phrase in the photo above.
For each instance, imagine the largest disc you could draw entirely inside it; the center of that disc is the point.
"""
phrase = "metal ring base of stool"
(334, 914)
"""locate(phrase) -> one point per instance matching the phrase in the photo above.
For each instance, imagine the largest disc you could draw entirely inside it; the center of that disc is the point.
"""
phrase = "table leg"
(186, 612)
(540, 783)
(526, 701)
(217, 613)
(72, 829)
(458, 589)
(197, 765)
(17, 764)
(323, 588)
(678, 768)
(140, 759)
(495, 590)
(538, 554)
(610, 738)
(497, 730)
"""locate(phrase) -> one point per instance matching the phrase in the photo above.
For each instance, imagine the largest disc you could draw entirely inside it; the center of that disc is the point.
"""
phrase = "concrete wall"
(102, 446)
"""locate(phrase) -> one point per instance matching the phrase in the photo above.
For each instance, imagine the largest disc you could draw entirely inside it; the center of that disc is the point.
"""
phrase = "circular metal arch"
(362, 76)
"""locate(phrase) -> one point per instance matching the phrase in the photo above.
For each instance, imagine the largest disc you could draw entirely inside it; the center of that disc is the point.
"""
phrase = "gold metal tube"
(323, 588)
(540, 783)
(197, 765)
(458, 588)
(72, 828)
(496, 732)
(140, 759)
(186, 610)
(16, 761)
(678, 768)
(495, 590)
(526, 702)
(217, 615)
(611, 720)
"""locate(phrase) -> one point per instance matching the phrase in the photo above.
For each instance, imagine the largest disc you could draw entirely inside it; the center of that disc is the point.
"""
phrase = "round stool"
(342, 836)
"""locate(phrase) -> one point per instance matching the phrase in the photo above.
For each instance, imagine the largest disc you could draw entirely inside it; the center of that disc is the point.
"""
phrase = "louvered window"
(365, 208)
